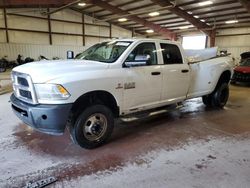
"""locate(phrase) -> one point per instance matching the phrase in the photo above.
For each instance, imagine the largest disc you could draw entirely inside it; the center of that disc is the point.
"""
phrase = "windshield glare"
(107, 52)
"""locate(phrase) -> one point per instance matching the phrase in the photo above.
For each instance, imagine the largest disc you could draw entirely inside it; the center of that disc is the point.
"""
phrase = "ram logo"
(129, 85)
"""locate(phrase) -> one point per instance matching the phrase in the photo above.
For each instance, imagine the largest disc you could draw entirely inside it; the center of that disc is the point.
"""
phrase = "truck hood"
(44, 71)
(242, 69)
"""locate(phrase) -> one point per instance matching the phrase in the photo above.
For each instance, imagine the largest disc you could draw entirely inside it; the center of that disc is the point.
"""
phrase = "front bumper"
(241, 77)
(50, 119)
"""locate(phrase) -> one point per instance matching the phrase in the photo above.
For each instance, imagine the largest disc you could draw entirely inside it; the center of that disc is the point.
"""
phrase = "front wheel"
(93, 126)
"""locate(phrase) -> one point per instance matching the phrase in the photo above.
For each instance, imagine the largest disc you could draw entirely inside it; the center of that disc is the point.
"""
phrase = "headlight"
(51, 92)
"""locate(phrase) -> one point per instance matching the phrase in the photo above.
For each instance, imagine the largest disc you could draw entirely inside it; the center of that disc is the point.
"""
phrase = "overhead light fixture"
(231, 21)
(154, 14)
(189, 12)
(149, 31)
(122, 19)
(203, 3)
(196, 16)
(82, 4)
(202, 20)
(184, 27)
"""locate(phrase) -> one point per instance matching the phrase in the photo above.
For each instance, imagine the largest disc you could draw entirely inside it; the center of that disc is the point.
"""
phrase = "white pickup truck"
(110, 80)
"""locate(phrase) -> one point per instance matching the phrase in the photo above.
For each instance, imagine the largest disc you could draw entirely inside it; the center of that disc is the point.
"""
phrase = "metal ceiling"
(187, 14)
(212, 15)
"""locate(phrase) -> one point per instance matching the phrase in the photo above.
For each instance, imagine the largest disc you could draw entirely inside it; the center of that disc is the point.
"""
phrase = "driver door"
(142, 87)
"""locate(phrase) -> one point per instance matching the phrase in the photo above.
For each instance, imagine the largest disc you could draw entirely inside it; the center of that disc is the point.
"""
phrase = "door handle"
(155, 73)
(184, 70)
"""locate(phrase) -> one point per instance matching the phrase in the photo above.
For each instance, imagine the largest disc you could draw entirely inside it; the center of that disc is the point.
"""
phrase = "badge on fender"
(119, 86)
(129, 85)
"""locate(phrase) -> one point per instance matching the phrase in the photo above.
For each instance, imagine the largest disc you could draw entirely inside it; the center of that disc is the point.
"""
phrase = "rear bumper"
(50, 119)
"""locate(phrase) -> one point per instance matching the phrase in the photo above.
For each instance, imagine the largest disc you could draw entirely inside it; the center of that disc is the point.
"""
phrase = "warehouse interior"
(192, 146)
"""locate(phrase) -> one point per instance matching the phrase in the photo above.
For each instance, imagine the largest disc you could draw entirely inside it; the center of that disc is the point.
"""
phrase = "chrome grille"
(23, 87)
(22, 81)
(26, 94)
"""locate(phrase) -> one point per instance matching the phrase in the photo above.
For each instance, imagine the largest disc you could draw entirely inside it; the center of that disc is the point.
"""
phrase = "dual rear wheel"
(218, 98)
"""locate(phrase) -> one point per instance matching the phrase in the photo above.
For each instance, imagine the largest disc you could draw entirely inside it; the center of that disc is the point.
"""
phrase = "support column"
(6, 25)
(49, 26)
(174, 37)
(212, 38)
(133, 32)
(83, 29)
(110, 30)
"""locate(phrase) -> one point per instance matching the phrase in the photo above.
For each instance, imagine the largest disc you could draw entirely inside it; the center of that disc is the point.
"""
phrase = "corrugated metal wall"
(33, 44)
(235, 41)
(35, 50)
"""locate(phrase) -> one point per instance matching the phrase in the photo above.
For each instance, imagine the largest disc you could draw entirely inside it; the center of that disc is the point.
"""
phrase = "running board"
(151, 112)
(41, 183)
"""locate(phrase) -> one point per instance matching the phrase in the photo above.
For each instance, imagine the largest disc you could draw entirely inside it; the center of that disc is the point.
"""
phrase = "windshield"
(106, 52)
(246, 63)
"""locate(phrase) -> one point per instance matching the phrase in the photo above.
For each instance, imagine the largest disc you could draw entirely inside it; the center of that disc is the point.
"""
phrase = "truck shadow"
(147, 133)
(129, 140)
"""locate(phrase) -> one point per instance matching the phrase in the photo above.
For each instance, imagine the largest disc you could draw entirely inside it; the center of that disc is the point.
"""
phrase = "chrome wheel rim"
(95, 127)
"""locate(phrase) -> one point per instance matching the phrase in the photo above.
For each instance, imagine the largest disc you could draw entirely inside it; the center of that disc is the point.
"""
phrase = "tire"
(92, 127)
(207, 100)
(2, 66)
(220, 95)
(2, 69)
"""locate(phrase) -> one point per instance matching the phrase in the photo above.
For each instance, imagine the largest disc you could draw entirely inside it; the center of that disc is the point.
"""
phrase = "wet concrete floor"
(27, 155)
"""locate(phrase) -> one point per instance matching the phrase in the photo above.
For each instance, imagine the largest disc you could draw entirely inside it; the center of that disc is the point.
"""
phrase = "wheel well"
(224, 78)
(95, 97)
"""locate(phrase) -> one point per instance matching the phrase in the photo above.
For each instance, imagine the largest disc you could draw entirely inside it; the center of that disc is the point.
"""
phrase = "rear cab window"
(171, 54)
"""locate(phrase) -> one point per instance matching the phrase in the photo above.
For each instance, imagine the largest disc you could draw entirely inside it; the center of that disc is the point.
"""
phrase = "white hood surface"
(43, 71)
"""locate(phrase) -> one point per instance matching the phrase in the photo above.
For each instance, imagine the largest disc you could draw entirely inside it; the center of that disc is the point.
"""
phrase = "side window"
(144, 52)
(171, 54)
